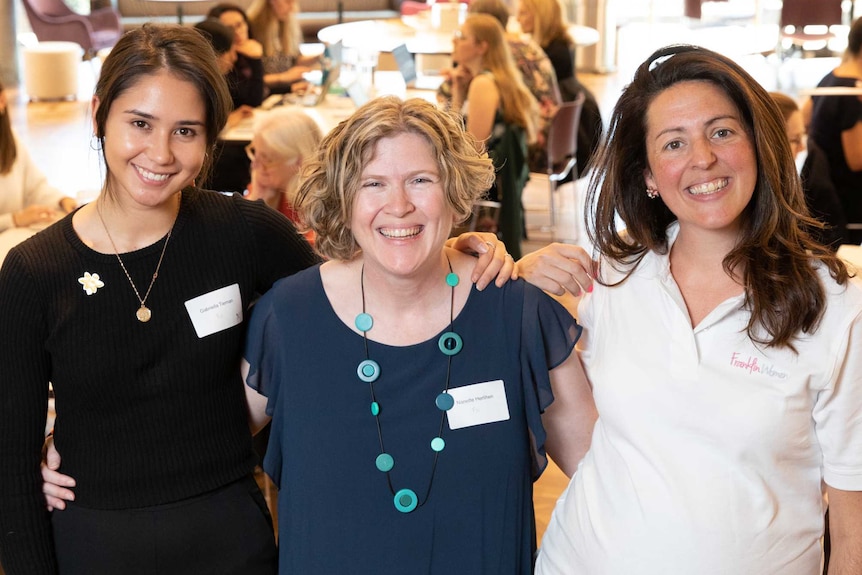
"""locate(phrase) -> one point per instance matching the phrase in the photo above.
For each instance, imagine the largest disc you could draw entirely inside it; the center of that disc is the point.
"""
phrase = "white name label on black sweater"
(215, 311)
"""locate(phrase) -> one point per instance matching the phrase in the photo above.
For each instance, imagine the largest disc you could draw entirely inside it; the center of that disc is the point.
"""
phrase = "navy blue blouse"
(335, 509)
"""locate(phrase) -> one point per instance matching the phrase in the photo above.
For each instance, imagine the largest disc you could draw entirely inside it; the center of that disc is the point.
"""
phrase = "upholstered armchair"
(52, 20)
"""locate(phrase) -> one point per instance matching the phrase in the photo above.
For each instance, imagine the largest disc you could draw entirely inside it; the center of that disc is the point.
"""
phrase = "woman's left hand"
(494, 263)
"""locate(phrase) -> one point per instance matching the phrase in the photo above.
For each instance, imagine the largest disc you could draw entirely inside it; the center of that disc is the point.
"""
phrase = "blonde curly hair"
(330, 180)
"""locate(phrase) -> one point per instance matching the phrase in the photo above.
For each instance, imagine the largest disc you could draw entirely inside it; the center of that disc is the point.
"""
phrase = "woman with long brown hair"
(721, 342)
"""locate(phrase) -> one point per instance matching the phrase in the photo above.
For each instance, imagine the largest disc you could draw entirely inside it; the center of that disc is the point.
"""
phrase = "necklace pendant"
(143, 314)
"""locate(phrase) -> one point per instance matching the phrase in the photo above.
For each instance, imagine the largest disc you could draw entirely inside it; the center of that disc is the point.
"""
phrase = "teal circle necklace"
(405, 500)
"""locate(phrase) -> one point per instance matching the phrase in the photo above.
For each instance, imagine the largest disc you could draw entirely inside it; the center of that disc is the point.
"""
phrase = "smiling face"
(154, 140)
(701, 158)
(401, 218)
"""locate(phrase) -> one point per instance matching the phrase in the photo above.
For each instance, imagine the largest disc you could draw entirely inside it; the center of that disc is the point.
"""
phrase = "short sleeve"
(264, 372)
(262, 328)
(838, 416)
(549, 336)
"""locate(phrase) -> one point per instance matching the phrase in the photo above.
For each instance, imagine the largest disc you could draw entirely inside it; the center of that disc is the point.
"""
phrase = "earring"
(651, 193)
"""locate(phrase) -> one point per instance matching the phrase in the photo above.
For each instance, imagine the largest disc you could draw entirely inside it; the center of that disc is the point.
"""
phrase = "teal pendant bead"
(368, 371)
(375, 408)
(363, 322)
(405, 500)
(437, 444)
(450, 343)
(384, 462)
(444, 402)
(451, 279)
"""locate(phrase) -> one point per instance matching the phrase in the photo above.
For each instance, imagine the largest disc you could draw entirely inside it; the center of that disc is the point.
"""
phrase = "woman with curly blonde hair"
(372, 363)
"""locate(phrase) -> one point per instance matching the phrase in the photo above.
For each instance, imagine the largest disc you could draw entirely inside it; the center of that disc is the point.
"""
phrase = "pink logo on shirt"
(752, 365)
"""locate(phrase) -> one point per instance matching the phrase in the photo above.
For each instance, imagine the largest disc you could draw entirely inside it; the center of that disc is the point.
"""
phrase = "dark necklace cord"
(446, 389)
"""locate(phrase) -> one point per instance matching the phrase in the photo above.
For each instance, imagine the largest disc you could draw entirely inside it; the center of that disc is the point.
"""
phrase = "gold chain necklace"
(144, 313)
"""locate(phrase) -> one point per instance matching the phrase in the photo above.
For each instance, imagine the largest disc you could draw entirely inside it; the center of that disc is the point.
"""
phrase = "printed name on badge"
(216, 311)
(478, 404)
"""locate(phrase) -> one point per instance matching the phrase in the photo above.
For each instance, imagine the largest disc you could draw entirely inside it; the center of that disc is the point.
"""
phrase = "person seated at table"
(499, 112)
(836, 126)
(545, 21)
(275, 25)
(221, 38)
(283, 139)
(245, 78)
(230, 166)
(26, 197)
(537, 72)
(820, 195)
(410, 412)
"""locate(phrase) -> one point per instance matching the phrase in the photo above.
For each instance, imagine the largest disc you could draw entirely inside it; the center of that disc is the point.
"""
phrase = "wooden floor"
(58, 136)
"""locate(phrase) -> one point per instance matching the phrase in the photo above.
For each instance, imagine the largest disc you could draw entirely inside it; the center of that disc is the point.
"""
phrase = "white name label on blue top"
(216, 311)
(478, 404)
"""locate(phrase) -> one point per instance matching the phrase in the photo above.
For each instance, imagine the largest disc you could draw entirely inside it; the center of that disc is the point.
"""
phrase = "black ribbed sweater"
(147, 413)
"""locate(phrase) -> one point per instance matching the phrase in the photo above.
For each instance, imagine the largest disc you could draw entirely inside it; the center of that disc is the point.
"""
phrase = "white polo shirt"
(710, 451)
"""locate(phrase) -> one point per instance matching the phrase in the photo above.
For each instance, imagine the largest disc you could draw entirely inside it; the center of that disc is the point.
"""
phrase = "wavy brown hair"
(8, 151)
(775, 257)
(332, 178)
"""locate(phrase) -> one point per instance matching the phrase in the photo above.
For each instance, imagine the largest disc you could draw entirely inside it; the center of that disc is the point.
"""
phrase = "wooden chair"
(562, 149)
(52, 20)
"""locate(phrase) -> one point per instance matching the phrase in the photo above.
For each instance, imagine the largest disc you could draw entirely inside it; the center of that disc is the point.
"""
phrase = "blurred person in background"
(283, 139)
(820, 194)
(275, 25)
(26, 197)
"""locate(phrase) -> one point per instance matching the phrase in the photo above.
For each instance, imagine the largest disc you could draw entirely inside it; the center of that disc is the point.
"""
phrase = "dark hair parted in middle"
(774, 254)
(181, 51)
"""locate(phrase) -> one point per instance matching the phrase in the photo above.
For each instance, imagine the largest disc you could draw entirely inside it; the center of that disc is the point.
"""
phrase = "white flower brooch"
(91, 282)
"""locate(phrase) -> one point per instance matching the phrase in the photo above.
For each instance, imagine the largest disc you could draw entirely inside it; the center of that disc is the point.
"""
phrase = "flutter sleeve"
(265, 368)
(549, 336)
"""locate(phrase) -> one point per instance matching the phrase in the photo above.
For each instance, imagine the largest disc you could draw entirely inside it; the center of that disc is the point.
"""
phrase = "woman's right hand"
(55, 485)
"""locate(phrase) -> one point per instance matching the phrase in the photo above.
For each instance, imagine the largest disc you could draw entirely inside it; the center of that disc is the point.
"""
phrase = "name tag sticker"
(216, 311)
(478, 404)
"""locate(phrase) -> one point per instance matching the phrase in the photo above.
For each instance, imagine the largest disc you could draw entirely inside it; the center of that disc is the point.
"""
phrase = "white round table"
(416, 32)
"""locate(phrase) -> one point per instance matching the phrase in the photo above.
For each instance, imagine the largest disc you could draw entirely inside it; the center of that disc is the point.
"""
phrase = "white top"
(24, 185)
(709, 451)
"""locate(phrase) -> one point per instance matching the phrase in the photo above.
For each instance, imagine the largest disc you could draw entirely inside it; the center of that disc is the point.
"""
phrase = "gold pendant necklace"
(143, 313)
